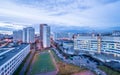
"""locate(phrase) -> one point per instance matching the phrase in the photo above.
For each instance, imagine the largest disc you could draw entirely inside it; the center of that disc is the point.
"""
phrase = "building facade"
(116, 33)
(86, 43)
(45, 35)
(29, 35)
(106, 44)
(11, 58)
(63, 35)
(18, 35)
(111, 45)
(25, 35)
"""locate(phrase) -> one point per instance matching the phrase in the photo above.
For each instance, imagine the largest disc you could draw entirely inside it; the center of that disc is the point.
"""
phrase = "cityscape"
(59, 37)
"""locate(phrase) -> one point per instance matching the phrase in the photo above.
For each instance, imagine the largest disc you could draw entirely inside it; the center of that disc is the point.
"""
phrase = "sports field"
(43, 64)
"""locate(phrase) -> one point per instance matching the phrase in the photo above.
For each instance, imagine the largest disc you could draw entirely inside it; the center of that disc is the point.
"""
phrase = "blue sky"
(94, 14)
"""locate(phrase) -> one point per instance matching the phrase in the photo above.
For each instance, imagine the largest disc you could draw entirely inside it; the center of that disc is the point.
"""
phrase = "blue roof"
(8, 55)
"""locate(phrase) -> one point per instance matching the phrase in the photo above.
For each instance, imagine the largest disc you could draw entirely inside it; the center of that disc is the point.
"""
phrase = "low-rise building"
(111, 45)
(105, 44)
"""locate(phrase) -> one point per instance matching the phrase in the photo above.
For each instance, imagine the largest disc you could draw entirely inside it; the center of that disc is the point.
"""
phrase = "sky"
(90, 14)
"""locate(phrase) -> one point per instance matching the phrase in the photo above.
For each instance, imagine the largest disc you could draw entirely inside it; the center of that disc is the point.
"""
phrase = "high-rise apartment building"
(45, 35)
(25, 35)
(29, 35)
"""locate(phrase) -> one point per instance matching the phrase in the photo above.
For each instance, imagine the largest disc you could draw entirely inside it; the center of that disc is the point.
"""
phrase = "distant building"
(86, 43)
(63, 35)
(99, 44)
(45, 35)
(66, 46)
(25, 35)
(11, 58)
(1, 36)
(116, 33)
(29, 35)
(110, 45)
(17, 35)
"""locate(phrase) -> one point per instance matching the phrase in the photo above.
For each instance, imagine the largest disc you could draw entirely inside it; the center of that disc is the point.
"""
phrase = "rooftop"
(7, 53)
(2, 50)
(108, 38)
(86, 37)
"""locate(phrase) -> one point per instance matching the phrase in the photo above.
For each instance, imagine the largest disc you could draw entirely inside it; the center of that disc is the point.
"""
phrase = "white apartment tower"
(45, 35)
(28, 35)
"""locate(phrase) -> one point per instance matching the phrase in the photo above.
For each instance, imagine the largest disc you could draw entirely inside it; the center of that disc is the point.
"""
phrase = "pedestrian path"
(22, 72)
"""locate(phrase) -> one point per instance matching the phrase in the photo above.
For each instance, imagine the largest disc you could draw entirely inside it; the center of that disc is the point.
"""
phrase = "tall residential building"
(29, 35)
(45, 35)
(25, 35)
(17, 35)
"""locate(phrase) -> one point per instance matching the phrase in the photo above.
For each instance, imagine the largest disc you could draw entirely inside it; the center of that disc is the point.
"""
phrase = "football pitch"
(43, 64)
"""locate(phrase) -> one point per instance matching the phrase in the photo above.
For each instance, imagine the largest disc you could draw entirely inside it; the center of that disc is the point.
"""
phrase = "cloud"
(87, 13)
(107, 15)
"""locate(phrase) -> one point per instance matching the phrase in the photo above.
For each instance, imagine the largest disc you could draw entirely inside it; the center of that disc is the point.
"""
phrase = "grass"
(43, 64)
(21, 65)
(57, 59)
(108, 70)
(66, 69)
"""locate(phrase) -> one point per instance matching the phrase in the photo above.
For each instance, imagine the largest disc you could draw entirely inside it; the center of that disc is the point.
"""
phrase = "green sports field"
(42, 64)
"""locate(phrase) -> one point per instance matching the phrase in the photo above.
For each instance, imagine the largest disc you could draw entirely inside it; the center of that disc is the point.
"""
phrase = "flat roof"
(2, 50)
(86, 38)
(7, 53)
